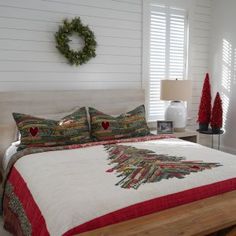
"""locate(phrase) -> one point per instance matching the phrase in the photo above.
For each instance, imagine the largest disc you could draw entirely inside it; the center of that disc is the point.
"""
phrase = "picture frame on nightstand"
(165, 127)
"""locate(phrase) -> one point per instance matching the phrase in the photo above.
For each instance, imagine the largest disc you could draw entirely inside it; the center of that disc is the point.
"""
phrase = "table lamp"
(176, 91)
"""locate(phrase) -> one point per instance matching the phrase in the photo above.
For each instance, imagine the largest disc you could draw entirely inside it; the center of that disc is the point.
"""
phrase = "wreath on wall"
(63, 38)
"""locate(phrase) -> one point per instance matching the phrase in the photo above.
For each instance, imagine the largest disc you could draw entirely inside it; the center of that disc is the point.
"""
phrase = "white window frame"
(183, 4)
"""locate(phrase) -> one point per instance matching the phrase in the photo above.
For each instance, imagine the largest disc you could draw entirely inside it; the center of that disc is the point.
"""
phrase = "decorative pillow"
(49, 116)
(130, 124)
(39, 132)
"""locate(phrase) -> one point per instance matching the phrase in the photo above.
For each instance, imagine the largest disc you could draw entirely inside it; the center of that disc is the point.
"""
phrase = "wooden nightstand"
(188, 135)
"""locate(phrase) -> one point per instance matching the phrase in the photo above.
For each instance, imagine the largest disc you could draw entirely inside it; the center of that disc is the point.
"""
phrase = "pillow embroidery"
(34, 131)
(105, 125)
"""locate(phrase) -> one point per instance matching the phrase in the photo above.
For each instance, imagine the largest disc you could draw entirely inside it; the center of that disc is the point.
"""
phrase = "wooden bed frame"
(198, 218)
(202, 217)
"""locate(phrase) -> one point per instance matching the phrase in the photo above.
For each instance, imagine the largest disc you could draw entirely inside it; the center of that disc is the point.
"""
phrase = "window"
(166, 28)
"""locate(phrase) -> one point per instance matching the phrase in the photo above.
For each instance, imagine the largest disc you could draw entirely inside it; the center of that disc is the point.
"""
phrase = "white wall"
(30, 61)
(223, 65)
(200, 17)
(199, 41)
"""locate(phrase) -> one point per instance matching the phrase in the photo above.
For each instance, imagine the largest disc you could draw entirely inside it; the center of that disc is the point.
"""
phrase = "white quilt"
(72, 187)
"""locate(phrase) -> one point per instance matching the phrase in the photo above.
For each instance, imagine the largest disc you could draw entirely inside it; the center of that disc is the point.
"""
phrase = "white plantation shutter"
(167, 59)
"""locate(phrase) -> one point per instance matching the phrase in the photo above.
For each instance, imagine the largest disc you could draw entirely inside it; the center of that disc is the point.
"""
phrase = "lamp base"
(177, 113)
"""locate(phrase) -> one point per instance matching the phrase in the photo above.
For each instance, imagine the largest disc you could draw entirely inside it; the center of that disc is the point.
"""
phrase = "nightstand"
(188, 135)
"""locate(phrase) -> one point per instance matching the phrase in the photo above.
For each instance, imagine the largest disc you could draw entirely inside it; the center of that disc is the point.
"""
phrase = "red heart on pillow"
(105, 125)
(34, 131)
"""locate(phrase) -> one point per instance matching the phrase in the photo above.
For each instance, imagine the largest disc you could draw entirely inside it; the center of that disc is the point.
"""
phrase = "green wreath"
(62, 39)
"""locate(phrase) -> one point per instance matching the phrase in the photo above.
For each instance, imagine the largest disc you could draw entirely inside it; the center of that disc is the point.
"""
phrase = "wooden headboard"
(51, 102)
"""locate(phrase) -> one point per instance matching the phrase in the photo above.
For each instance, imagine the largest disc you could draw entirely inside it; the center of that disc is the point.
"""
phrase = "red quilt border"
(155, 205)
(32, 211)
(38, 223)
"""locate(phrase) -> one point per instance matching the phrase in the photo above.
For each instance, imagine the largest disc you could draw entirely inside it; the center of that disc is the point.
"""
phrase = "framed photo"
(164, 127)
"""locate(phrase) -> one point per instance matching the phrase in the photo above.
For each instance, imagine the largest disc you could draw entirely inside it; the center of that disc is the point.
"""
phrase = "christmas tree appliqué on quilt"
(138, 166)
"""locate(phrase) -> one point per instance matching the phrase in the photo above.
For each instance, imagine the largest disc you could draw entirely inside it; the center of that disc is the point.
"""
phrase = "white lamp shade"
(176, 90)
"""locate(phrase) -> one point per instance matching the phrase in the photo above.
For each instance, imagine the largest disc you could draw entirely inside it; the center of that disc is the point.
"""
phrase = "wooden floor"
(198, 218)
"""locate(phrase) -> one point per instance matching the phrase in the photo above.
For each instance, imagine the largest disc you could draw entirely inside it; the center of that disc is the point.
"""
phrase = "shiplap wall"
(199, 39)
(199, 45)
(30, 61)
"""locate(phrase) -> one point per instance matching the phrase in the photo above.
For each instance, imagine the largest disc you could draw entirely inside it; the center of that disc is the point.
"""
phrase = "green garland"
(62, 39)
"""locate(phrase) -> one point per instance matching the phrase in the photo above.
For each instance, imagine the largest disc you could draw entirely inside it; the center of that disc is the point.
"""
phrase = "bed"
(86, 188)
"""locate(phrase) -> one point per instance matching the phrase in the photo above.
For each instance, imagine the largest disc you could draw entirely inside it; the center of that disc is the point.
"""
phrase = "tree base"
(203, 126)
(215, 130)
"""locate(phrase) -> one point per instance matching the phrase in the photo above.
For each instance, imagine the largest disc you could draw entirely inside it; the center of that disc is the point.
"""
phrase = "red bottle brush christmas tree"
(217, 114)
(204, 113)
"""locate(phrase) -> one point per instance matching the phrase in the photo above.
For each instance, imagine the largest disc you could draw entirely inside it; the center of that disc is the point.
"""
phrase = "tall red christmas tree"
(217, 113)
(204, 113)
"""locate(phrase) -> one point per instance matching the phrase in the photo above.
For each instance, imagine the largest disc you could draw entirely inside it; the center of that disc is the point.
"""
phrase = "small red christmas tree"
(217, 113)
(204, 113)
